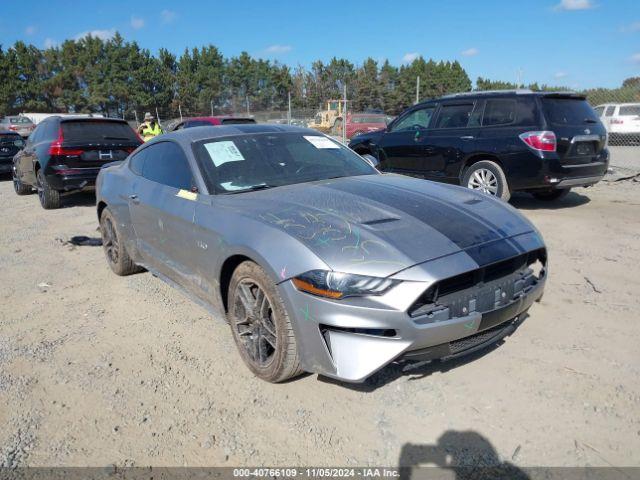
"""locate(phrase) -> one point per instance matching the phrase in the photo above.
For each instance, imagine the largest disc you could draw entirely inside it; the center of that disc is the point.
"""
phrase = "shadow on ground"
(467, 454)
(524, 201)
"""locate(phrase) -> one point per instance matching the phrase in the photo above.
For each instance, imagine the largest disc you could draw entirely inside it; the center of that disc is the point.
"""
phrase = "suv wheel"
(18, 186)
(260, 325)
(49, 198)
(550, 195)
(487, 177)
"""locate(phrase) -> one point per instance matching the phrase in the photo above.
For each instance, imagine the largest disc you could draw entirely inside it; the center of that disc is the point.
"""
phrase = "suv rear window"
(630, 110)
(568, 111)
(454, 116)
(499, 111)
(237, 121)
(86, 131)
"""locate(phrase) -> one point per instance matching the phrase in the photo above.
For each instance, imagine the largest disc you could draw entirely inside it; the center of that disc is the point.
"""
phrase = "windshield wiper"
(253, 188)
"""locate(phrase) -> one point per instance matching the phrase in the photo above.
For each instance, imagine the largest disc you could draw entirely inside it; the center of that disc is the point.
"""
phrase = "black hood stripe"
(478, 239)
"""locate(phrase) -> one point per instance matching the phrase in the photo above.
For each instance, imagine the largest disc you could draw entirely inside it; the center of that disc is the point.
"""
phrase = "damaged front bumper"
(432, 314)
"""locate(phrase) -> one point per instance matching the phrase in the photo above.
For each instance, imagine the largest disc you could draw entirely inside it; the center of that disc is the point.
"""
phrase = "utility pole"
(212, 108)
(157, 116)
(289, 110)
(179, 110)
(344, 115)
(247, 100)
(518, 77)
(417, 88)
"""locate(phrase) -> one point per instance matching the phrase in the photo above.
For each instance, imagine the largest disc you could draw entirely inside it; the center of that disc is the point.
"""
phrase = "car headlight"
(337, 285)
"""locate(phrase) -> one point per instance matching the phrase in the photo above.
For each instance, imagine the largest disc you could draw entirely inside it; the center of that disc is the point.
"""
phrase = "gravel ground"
(98, 370)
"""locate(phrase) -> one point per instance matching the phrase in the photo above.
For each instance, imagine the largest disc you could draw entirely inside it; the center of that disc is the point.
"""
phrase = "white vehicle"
(622, 121)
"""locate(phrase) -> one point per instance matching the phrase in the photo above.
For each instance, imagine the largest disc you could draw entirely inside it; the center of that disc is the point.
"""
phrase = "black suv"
(498, 142)
(64, 154)
(10, 144)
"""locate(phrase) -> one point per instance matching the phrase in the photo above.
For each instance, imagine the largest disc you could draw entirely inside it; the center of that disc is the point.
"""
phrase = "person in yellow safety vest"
(149, 128)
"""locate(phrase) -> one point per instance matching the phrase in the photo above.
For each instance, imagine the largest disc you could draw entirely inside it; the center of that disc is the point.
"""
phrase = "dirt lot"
(98, 370)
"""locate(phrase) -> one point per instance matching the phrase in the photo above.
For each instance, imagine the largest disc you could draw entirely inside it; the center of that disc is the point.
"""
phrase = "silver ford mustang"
(319, 262)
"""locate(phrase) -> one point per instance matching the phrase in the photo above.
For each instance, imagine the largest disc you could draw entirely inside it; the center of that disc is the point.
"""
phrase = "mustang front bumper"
(352, 338)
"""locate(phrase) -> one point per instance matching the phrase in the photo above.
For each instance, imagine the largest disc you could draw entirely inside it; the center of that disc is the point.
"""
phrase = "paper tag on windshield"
(223, 152)
(320, 142)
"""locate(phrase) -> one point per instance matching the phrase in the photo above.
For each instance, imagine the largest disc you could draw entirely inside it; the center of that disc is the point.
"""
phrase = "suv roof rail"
(487, 92)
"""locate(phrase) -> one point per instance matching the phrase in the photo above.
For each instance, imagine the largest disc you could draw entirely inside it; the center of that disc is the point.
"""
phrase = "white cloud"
(50, 43)
(168, 16)
(470, 52)
(632, 27)
(574, 5)
(635, 58)
(560, 74)
(30, 30)
(137, 22)
(410, 57)
(101, 34)
(278, 49)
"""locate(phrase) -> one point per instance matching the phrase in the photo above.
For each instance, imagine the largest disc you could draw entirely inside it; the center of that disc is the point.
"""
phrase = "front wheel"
(19, 187)
(550, 195)
(487, 177)
(260, 325)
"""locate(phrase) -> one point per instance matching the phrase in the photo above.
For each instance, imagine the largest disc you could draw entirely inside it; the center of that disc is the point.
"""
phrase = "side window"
(136, 163)
(609, 111)
(599, 110)
(418, 119)
(454, 116)
(167, 164)
(499, 111)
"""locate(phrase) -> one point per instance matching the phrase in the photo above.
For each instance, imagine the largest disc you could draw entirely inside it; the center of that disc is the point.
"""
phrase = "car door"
(405, 147)
(27, 157)
(162, 212)
(452, 137)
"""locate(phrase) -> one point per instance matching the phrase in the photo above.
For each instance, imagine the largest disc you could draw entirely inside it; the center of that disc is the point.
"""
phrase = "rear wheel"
(260, 325)
(49, 198)
(550, 195)
(114, 249)
(487, 177)
(18, 186)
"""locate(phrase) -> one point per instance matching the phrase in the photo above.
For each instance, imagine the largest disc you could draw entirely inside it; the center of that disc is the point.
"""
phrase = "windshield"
(568, 111)
(245, 162)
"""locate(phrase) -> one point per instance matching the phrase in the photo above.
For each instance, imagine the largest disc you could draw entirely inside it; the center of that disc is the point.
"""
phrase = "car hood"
(381, 224)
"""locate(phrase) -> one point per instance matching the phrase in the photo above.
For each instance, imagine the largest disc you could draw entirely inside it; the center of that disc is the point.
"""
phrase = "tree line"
(116, 77)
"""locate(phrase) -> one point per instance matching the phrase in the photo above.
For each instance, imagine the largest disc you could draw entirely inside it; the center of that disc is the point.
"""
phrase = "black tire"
(260, 325)
(49, 198)
(495, 182)
(550, 195)
(117, 256)
(19, 187)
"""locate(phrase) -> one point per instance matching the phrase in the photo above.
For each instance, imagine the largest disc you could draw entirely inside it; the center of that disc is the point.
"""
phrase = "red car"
(358, 123)
(217, 120)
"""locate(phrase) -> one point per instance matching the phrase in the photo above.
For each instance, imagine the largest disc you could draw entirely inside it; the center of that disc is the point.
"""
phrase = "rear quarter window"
(630, 110)
(568, 111)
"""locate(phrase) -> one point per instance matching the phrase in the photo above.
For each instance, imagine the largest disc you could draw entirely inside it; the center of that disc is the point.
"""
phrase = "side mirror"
(371, 160)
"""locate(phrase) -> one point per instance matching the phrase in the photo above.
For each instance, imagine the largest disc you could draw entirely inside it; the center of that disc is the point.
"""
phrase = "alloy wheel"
(254, 322)
(110, 241)
(484, 180)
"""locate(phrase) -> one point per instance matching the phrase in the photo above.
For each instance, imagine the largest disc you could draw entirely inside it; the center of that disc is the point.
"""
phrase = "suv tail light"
(544, 141)
(56, 147)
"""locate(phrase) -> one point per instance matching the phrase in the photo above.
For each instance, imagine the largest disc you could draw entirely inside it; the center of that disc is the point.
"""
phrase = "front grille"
(466, 343)
(481, 290)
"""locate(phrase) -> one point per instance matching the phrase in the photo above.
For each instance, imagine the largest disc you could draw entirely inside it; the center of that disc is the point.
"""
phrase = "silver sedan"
(318, 262)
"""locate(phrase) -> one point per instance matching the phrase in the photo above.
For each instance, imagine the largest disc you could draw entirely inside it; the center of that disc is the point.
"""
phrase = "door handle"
(467, 137)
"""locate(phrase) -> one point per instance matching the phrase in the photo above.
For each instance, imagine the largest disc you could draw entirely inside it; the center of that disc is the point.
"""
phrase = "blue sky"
(577, 43)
